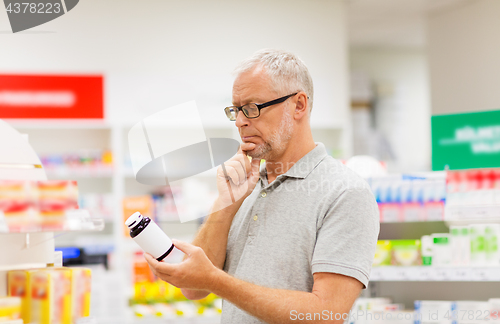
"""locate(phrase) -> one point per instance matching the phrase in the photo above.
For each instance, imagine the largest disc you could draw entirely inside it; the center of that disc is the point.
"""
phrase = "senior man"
(294, 240)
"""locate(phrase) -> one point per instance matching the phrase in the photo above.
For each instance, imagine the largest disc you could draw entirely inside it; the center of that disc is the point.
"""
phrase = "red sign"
(51, 96)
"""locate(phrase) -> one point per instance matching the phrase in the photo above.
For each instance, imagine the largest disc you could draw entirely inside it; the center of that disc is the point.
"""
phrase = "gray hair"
(287, 72)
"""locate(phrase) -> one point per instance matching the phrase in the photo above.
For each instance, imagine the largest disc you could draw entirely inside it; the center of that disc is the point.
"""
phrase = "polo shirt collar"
(304, 166)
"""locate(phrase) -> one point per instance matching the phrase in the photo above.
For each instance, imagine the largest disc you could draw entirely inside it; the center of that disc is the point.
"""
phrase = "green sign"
(466, 141)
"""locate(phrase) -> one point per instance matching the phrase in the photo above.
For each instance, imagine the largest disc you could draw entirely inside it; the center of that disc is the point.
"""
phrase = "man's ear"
(301, 104)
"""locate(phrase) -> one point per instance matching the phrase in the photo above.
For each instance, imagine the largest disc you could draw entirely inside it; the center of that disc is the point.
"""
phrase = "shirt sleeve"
(347, 236)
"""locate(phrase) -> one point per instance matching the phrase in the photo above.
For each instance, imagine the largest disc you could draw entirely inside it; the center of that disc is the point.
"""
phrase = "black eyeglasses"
(252, 110)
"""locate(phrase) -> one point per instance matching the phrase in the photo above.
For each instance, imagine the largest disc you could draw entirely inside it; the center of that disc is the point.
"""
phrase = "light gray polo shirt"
(319, 216)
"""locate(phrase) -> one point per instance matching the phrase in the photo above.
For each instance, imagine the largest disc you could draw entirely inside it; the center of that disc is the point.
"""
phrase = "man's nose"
(241, 120)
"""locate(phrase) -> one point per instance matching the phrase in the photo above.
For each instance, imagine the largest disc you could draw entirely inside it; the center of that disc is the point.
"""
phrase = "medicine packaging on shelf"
(474, 245)
(10, 309)
(155, 297)
(473, 187)
(382, 311)
(43, 204)
(441, 249)
(409, 198)
(83, 162)
(51, 295)
(398, 253)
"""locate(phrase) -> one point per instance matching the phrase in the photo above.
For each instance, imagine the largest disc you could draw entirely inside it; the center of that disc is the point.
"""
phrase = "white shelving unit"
(30, 246)
(430, 273)
(407, 284)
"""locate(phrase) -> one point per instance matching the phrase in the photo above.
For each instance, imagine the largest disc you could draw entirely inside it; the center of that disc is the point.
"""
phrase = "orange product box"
(142, 204)
(142, 272)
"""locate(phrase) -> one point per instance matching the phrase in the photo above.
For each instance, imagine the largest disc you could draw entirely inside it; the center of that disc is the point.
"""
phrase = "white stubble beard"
(278, 140)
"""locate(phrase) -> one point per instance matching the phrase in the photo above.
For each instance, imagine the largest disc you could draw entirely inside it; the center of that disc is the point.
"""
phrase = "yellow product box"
(382, 253)
(19, 285)
(164, 291)
(81, 279)
(10, 308)
(51, 296)
(143, 292)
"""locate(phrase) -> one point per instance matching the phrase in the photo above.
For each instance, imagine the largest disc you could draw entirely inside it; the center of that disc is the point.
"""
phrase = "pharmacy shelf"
(22, 266)
(414, 222)
(431, 273)
(472, 214)
(74, 221)
(410, 230)
(79, 172)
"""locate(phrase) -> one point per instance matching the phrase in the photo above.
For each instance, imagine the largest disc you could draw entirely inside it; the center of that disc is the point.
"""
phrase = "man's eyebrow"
(250, 100)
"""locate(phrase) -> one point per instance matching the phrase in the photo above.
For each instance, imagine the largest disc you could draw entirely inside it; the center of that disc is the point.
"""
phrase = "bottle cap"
(133, 220)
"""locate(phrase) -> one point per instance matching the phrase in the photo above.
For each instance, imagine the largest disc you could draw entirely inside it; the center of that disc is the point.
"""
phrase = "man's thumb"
(183, 246)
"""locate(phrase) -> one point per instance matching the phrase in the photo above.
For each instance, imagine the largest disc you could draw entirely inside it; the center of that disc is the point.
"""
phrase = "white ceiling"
(393, 23)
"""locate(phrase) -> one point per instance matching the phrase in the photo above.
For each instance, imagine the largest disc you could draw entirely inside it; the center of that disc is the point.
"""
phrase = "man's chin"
(255, 153)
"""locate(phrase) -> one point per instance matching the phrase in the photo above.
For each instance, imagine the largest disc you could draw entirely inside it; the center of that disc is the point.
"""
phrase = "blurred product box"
(382, 310)
(10, 309)
(378, 311)
(460, 245)
(473, 187)
(434, 312)
(98, 205)
(90, 162)
(142, 204)
(473, 245)
(51, 295)
(426, 250)
(407, 198)
(471, 312)
(37, 203)
(406, 252)
(398, 253)
(441, 249)
(81, 279)
(382, 253)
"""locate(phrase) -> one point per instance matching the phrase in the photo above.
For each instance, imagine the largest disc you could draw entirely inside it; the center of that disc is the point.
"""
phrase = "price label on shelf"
(461, 274)
(390, 214)
(480, 274)
(444, 274)
(401, 274)
(427, 274)
(376, 274)
(413, 273)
